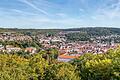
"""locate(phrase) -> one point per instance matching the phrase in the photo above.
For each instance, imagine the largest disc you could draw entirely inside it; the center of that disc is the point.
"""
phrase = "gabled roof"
(67, 56)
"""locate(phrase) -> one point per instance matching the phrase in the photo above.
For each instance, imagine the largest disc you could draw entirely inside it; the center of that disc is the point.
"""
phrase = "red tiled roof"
(67, 57)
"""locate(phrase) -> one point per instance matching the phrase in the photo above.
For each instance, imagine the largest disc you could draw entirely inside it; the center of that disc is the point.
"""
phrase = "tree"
(100, 66)
(13, 67)
(61, 71)
(37, 68)
(50, 54)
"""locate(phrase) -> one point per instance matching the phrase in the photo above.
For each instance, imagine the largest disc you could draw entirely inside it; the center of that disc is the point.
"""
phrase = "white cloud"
(108, 12)
(34, 6)
(63, 15)
(81, 10)
(23, 12)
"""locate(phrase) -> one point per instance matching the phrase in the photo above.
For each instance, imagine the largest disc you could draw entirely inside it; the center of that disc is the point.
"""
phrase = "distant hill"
(97, 31)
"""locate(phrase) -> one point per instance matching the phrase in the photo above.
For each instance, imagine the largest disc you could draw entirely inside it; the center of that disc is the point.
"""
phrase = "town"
(68, 50)
(59, 39)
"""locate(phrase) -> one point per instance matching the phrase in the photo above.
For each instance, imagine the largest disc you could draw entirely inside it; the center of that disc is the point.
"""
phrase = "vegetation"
(21, 44)
(79, 36)
(97, 31)
(13, 67)
(44, 66)
(99, 67)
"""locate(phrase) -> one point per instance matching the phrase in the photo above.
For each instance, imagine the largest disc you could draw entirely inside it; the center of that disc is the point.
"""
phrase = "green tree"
(61, 71)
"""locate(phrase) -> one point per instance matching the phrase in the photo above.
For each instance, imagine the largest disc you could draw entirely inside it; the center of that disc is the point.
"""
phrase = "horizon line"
(58, 28)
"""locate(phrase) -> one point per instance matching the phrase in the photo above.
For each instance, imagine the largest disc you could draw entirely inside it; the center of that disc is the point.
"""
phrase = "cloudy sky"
(59, 13)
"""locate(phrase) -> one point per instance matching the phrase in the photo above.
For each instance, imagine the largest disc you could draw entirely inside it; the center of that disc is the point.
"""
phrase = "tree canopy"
(87, 67)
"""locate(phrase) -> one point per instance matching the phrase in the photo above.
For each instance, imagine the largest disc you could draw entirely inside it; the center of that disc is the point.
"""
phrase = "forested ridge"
(97, 30)
(73, 34)
(89, 30)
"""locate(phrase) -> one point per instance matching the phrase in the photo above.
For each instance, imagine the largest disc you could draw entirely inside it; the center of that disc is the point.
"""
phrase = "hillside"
(89, 30)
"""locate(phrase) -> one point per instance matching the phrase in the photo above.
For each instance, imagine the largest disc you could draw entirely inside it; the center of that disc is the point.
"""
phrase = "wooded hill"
(89, 30)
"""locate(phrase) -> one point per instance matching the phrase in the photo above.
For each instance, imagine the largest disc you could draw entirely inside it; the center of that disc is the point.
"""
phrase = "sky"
(49, 14)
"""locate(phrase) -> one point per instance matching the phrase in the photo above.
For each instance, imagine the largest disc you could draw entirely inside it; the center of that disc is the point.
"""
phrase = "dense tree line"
(79, 36)
(100, 66)
(41, 66)
(21, 44)
(97, 31)
(85, 34)
(44, 66)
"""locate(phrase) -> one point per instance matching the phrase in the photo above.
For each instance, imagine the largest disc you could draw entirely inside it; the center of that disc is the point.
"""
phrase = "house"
(31, 50)
(10, 48)
(66, 58)
(1, 47)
